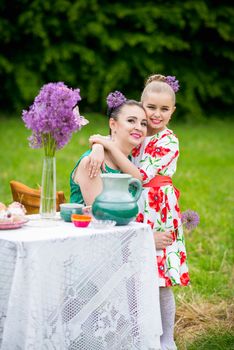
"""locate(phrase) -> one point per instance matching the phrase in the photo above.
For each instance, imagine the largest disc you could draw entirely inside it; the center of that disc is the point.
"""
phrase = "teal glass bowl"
(67, 209)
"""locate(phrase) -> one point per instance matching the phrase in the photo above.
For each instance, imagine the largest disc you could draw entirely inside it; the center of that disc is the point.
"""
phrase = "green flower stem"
(48, 188)
(49, 144)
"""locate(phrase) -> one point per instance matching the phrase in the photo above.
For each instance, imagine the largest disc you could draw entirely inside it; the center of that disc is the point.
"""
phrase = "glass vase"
(48, 189)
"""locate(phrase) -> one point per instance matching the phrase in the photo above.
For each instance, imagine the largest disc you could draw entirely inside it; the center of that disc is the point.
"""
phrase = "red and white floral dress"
(158, 204)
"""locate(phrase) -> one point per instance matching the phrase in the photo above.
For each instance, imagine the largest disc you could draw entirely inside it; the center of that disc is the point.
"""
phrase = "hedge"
(100, 46)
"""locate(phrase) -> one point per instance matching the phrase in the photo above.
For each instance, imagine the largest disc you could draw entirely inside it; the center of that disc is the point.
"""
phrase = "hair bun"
(115, 99)
(155, 77)
(169, 79)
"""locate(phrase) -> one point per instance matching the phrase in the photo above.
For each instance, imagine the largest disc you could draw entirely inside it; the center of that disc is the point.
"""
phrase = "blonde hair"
(157, 83)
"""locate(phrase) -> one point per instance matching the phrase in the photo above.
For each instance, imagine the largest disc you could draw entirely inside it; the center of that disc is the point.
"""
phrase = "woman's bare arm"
(90, 187)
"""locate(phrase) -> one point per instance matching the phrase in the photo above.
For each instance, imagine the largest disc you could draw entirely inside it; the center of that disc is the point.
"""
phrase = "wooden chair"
(30, 197)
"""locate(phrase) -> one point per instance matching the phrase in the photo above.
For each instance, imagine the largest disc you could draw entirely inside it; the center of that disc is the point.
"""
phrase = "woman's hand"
(95, 160)
(162, 239)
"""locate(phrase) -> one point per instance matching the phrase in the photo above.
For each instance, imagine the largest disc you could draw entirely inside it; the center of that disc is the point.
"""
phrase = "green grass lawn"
(205, 176)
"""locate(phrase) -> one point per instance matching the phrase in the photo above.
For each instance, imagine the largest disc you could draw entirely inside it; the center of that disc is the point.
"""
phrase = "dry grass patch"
(197, 318)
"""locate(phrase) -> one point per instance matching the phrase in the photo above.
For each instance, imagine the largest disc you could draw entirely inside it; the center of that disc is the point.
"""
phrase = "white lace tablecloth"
(63, 287)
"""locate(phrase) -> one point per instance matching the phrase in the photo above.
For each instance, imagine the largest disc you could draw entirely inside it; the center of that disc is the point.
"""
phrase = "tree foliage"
(100, 46)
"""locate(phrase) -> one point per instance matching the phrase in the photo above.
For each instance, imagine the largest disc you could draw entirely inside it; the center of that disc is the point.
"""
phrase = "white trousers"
(167, 305)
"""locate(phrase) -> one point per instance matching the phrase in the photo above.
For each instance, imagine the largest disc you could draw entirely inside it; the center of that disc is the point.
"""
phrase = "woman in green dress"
(128, 127)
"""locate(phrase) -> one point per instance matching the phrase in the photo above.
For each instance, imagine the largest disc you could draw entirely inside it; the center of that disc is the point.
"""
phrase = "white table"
(63, 287)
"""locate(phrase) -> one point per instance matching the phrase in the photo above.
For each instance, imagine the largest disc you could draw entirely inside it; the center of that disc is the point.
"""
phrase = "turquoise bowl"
(67, 209)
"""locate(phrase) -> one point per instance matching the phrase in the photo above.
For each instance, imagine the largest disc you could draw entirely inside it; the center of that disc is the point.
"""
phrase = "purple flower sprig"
(190, 219)
(53, 117)
(174, 84)
(115, 99)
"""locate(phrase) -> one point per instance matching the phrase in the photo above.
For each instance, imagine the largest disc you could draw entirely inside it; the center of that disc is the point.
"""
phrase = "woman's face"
(130, 128)
(159, 108)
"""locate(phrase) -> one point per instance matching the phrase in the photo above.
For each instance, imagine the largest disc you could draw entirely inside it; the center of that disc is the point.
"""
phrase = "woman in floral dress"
(159, 203)
(157, 160)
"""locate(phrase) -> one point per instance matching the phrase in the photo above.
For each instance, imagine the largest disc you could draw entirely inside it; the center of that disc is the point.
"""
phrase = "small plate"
(12, 225)
(99, 224)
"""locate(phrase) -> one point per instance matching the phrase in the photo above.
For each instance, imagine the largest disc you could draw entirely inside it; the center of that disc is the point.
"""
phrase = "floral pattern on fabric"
(158, 206)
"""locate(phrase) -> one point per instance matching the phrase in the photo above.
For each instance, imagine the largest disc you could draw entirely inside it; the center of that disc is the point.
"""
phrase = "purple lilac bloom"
(52, 116)
(174, 84)
(115, 99)
(190, 219)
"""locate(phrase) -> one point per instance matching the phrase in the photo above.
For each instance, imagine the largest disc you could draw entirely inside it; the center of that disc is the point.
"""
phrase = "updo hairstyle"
(115, 112)
(157, 83)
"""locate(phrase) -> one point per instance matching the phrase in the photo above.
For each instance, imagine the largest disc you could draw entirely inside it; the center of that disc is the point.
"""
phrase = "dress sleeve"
(159, 157)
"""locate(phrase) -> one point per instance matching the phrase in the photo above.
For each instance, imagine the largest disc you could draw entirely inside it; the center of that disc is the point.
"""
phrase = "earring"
(113, 135)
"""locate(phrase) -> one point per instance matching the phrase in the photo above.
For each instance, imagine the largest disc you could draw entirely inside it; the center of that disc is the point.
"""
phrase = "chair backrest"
(30, 197)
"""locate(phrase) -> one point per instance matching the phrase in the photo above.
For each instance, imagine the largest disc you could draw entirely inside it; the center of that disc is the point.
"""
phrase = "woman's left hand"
(95, 160)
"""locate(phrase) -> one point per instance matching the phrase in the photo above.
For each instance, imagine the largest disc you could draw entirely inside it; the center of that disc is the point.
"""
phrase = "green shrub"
(100, 46)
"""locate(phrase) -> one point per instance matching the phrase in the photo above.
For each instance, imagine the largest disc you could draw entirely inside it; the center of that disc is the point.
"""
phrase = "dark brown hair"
(114, 112)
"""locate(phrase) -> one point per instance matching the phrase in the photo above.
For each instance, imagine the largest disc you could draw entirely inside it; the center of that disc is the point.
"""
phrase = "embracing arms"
(117, 155)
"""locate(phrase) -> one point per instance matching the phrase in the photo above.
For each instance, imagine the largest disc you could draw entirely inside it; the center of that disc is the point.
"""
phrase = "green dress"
(75, 192)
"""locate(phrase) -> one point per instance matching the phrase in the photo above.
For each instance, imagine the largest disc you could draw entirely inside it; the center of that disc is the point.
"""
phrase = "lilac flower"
(53, 117)
(190, 219)
(115, 99)
(174, 84)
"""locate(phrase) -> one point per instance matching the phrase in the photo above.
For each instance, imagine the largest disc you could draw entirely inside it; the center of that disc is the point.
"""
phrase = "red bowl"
(81, 223)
